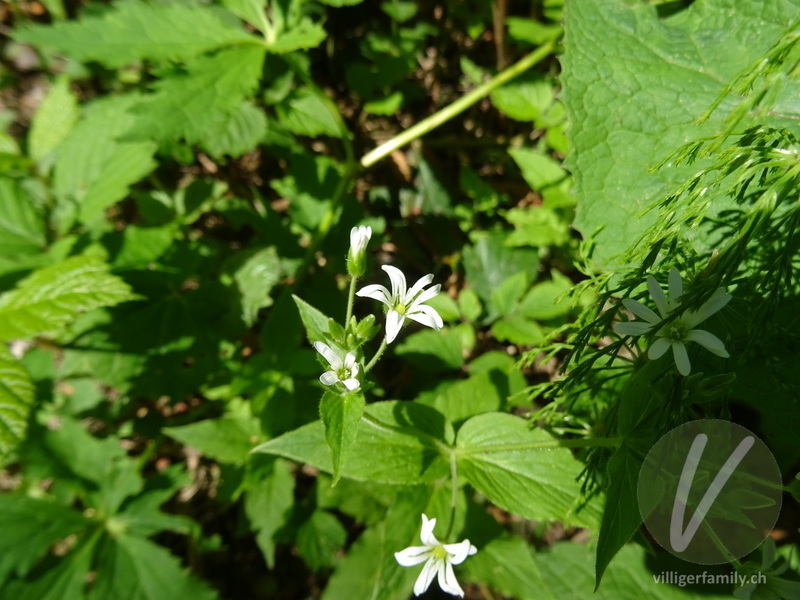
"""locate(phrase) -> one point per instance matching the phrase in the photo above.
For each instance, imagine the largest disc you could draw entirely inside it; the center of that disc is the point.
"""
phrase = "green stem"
(454, 496)
(457, 107)
(350, 298)
(377, 356)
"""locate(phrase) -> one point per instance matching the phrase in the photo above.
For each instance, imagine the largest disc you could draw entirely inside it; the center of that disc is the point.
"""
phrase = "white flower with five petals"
(342, 371)
(404, 304)
(438, 558)
(679, 331)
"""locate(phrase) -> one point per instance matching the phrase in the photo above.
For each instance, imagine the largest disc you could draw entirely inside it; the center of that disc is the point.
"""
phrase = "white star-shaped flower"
(680, 331)
(404, 304)
(342, 371)
(440, 560)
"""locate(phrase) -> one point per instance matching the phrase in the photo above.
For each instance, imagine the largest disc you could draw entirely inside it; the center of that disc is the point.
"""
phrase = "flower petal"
(398, 282)
(428, 316)
(641, 311)
(675, 288)
(350, 362)
(708, 341)
(448, 581)
(681, 359)
(632, 328)
(425, 577)
(460, 551)
(376, 292)
(333, 359)
(412, 555)
(329, 378)
(394, 321)
(426, 535)
(426, 295)
(354, 370)
(657, 350)
(418, 286)
(657, 294)
(351, 384)
(717, 301)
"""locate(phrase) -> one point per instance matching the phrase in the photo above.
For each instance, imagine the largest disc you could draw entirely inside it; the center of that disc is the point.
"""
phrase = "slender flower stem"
(454, 496)
(457, 107)
(377, 356)
(350, 297)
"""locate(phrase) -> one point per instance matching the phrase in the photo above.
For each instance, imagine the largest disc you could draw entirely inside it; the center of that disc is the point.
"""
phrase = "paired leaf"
(341, 416)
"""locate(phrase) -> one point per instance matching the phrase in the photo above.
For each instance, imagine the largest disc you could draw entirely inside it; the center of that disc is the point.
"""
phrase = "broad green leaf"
(17, 395)
(469, 397)
(407, 438)
(369, 571)
(255, 272)
(131, 31)
(50, 298)
(489, 262)
(539, 171)
(681, 64)
(93, 169)
(30, 527)
(542, 302)
(523, 99)
(183, 106)
(53, 121)
(436, 351)
(22, 228)
(235, 133)
(538, 227)
(139, 246)
(621, 516)
(508, 293)
(341, 416)
(305, 34)
(319, 539)
(469, 304)
(138, 569)
(226, 439)
(309, 186)
(304, 113)
(268, 502)
(521, 470)
(518, 330)
(315, 322)
(531, 31)
(508, 567)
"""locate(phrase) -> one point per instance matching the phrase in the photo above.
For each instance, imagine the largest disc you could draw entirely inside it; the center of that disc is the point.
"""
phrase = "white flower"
(440, 560)
(359, 238)
(344, 371)
(681, 330)
(404, 304)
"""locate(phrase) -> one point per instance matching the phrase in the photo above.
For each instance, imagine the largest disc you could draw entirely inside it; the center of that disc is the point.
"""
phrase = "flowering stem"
(457, 107)
(377, 356)
(454, 497)
(350, 298)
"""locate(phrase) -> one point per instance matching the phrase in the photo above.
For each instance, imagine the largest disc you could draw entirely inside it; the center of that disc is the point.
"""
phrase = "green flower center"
(676, 331)
(439, 552)
(400, 308)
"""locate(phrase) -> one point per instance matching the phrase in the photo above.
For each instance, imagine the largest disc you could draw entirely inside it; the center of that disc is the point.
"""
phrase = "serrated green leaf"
(131, 31)
(304, 113)
(506, 296)
(255, 272)
(184, 105)
(341, 416)
(268, 502)
(542, 301)
(489, 262)
(252, 11)
(469, 304)
(30, 527)
(53, 121)
(518, 330)
(228, 440)
(673, 80)
(235, 133)
(22, 228)
(16, 398)
(51, 297)
(539, 171)
(538, 227)
(403, 434)
(522, 470)
(93, 169)
(320, 538)
(139, 246)
(305, 34)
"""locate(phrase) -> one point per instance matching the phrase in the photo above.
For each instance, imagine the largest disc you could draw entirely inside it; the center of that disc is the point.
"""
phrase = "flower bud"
(357, 256)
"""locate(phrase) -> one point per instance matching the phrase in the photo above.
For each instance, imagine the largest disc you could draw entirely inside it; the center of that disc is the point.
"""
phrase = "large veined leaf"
(16, 399)
(131, 31)
(22, 229)
(634, 85)
(51, 297)
(521, 470)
